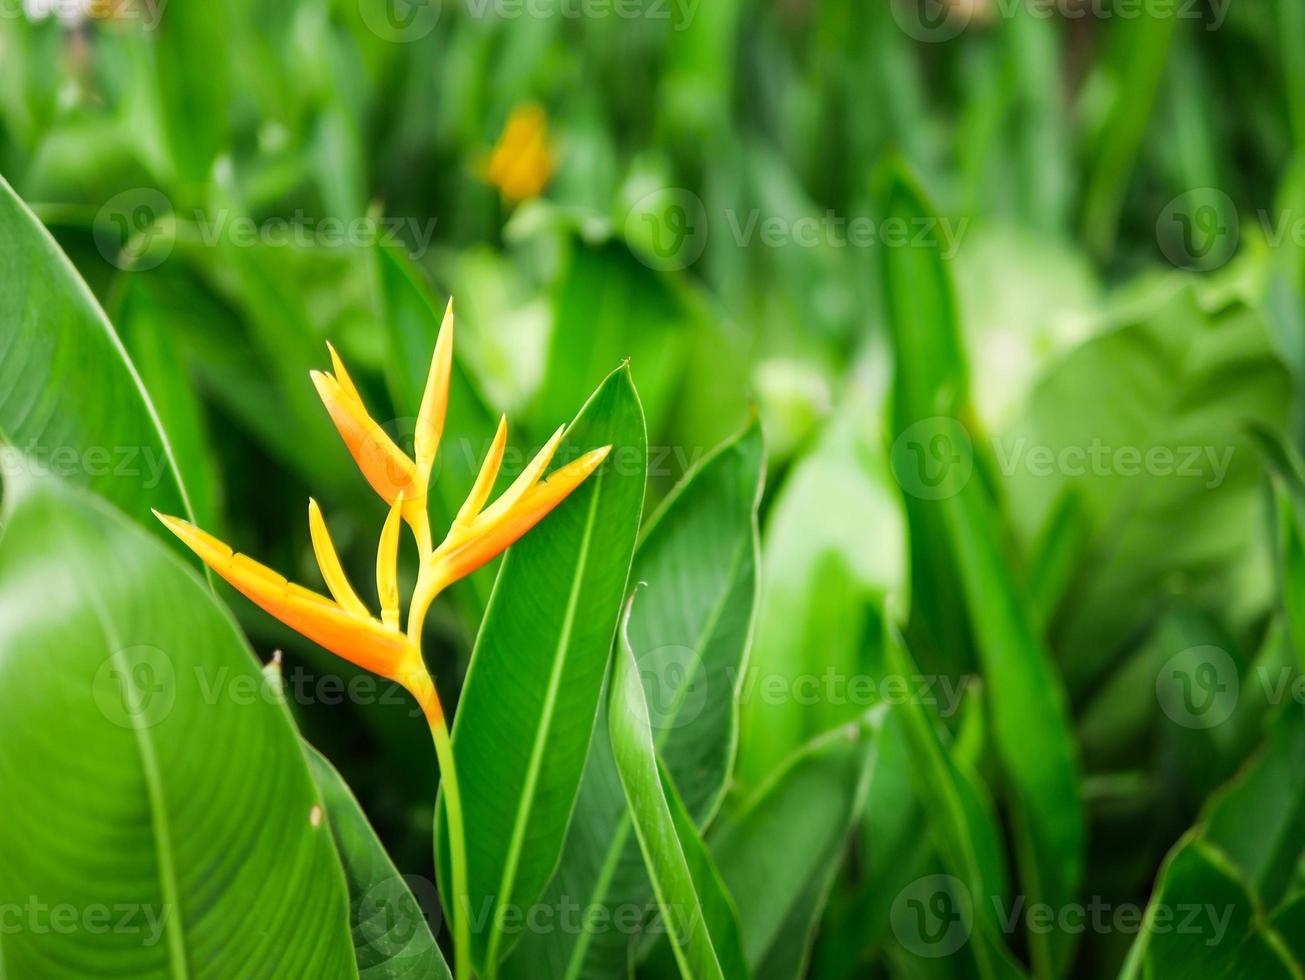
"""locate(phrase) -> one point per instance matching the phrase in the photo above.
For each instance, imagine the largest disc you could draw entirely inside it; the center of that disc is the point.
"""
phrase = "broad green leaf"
(1120, 100)
(411, 322)
(70, 399)
(696, 911)
(527, 710)
(1233, 866)
(1223, 934)
(183, 792)
(935, 461)
(392, 936)
(779, 852)
(690, 631)
(1148, 422)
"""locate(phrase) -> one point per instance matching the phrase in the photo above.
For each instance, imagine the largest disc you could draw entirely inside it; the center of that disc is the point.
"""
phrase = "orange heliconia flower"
(342, 623)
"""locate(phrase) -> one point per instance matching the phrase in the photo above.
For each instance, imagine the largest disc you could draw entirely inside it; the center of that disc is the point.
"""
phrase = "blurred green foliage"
(1118, 202)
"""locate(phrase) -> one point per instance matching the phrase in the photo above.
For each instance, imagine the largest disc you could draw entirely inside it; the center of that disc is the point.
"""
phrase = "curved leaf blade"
(392, 936)
(811, 805)
(145, 764)
(698, 565)
(695, 908)
(70, 400)
(1030, 716)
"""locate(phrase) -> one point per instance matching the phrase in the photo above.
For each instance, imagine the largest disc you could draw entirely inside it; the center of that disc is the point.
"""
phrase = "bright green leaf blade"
(70, 399)
(695, 910)
(391, 929)
(690, 630)
(1030, 717)
(527, 710)
(145, 764)
(810, 806)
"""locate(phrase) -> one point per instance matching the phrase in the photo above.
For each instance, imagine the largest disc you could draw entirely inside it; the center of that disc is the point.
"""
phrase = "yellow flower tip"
(500, 527)
(358, 639)
(521, 163)
(435, 399)
(329, 563)
(386, 467)
(387, 566)
(484, 485)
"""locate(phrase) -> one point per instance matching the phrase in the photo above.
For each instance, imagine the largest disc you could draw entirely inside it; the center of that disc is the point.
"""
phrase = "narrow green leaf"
(1056, 554)
(182, 792)
(946, 490)
(690, 630)
(392, 936)
(70, 400)
(1129, 79)
(965, 834)
(527, 711)
(695, 909)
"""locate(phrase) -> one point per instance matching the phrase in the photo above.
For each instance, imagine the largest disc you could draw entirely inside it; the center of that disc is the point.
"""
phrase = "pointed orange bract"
(359, 639)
